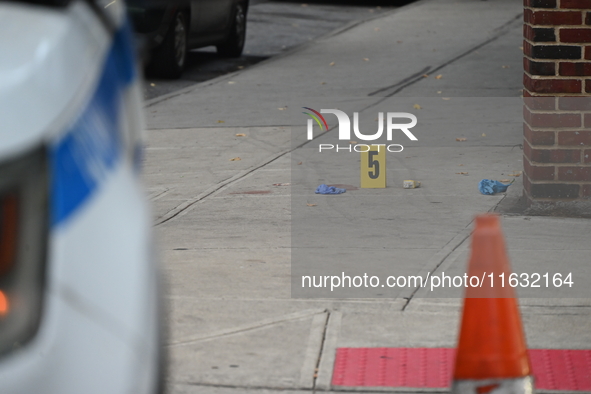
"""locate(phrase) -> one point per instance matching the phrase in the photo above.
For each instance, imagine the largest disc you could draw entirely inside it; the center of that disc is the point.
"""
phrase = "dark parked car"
(170, 29)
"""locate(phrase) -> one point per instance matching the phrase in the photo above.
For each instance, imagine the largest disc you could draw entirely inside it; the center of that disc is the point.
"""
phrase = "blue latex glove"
(490, 187)
(324, 189)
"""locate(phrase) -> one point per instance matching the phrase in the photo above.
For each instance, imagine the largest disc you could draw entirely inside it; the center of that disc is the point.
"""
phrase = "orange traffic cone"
(492, 353)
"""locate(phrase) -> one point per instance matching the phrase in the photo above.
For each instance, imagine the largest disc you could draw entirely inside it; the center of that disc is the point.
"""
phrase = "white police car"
(79, 302)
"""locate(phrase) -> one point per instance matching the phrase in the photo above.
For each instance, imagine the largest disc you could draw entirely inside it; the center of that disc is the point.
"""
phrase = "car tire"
(234, 44)
(169, 59)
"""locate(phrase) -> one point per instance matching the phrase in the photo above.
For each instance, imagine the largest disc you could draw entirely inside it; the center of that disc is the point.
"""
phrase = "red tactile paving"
(553, 369)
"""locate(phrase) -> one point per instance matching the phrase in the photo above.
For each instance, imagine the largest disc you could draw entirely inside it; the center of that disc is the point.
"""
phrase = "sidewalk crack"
(321, 350)
(178, 210)
(441, 261)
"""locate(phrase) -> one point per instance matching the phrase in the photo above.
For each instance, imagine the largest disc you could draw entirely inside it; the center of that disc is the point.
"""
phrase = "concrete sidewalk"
(224, 229)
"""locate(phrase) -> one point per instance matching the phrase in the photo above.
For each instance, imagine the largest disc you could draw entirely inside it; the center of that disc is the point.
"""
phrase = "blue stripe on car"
(82, 159)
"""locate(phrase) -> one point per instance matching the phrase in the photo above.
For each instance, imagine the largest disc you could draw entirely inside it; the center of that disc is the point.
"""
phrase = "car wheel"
(234, 44)
(169, 59)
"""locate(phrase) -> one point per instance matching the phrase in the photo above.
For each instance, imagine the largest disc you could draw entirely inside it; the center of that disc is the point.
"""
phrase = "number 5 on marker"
(373, 168)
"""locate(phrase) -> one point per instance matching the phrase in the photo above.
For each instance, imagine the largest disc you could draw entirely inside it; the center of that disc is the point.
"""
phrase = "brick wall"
(557, 110)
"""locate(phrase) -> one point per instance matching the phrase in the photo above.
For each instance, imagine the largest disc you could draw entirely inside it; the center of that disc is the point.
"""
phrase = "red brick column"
(557, 110)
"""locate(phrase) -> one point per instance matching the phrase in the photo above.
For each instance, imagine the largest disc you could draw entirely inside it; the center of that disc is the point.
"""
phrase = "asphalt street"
(273, 28)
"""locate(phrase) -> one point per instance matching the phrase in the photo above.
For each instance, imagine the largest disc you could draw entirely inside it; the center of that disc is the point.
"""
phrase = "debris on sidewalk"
(439, 76)
(240, 135)
(235, 159)
(490, 187)
(410, 184)
(462, 173)
(461, 139)
(281, 184)
(417, 106)
(325, 189)
(311, 205)
(516, 174)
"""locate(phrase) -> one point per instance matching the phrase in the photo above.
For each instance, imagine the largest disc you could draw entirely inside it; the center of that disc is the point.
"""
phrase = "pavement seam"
(183, 208)
(328, 352)
(249, 327)
(231, 386)
(501, 31)
(413, 77)
(459, 239)
(179, 209)
(334, 390)
(344, 389)
(316, 338)
(494, 209)
(464, 235)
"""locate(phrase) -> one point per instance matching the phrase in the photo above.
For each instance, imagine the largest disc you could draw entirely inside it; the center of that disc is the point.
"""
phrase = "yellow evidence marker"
(373, 167)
